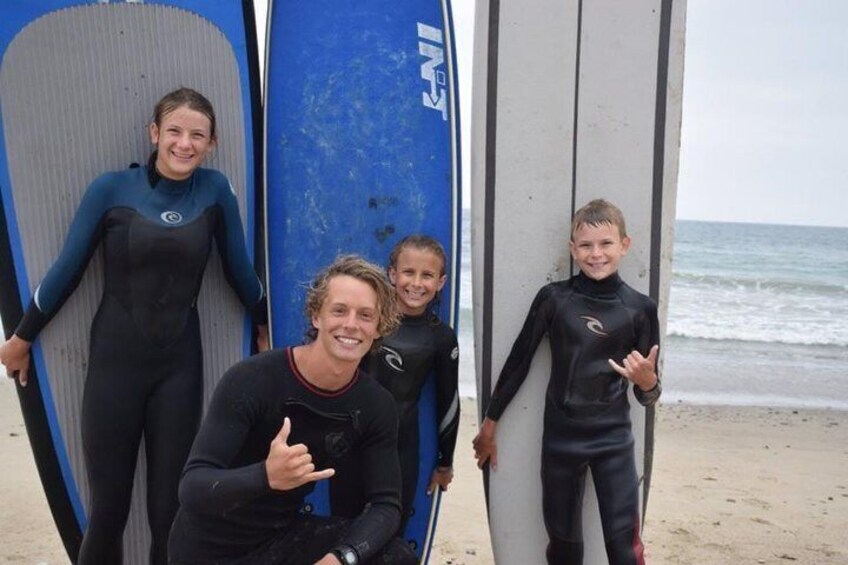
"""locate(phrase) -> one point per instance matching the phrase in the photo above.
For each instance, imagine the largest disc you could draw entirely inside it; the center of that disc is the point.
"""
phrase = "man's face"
(348, 319)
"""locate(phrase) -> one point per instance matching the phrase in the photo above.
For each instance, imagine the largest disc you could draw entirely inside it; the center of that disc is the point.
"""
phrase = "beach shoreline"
(731, 484)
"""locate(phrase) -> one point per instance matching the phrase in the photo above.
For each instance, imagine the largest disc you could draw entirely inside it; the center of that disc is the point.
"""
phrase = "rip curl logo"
(336, 444)
(594, 325)
(392, 358)
(455, 354)
(171, 217)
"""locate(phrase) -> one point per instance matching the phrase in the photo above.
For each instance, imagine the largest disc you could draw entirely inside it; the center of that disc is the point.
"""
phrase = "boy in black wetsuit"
(421, 347)
(603, 334)
(282, 420)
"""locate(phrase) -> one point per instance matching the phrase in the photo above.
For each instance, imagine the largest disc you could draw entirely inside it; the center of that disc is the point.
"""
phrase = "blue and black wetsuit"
(145, 370)
(587, 413)
(230, 514)
(423, 345)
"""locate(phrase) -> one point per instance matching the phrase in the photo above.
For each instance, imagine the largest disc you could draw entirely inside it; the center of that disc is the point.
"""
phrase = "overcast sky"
(765, 109)
(765, 112)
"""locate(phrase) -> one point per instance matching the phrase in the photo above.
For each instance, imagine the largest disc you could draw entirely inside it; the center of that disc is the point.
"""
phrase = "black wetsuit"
(230, 514)
(422, 344)
(587, 413)
(145, 369)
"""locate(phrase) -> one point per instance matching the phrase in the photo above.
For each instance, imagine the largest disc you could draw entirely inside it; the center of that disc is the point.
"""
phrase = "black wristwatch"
(346, 554)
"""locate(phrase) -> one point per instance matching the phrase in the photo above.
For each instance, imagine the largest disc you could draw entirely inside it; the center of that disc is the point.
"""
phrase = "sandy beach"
(732, 485)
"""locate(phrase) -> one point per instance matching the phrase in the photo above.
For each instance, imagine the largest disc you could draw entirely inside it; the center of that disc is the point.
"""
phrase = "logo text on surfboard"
(431, 47)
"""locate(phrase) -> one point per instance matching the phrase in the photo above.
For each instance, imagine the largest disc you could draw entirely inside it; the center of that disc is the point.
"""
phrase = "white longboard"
(572, 101)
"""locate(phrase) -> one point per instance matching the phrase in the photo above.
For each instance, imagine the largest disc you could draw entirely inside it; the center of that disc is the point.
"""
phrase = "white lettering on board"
(431, 47)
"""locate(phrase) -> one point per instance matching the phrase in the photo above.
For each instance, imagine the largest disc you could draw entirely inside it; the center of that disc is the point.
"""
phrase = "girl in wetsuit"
(145, 374)
(423, 345)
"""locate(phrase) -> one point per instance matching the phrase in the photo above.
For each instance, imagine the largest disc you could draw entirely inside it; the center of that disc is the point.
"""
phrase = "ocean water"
(758, 315)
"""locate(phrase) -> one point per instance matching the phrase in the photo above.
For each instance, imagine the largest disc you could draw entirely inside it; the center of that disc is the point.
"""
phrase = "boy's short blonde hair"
(597, 212)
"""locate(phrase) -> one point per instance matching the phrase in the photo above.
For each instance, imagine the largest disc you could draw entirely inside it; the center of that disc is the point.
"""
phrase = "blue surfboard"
(78, 81)
(361, 149)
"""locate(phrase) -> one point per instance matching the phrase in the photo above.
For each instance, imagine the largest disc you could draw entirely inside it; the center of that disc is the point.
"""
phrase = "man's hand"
(290, 466)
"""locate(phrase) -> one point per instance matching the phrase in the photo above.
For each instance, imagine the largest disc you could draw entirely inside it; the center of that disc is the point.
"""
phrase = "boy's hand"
(485, 445)
(442, 477)
(638, 369)
(290, 466)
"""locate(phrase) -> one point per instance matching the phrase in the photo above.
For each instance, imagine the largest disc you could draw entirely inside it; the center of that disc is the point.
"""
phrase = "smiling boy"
(603, 335)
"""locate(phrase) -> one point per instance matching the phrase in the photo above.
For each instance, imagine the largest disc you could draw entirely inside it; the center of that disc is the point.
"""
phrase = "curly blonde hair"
(354, 266)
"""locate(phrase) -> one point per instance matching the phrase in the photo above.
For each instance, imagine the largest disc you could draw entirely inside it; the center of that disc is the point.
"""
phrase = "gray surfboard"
(78, 82)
